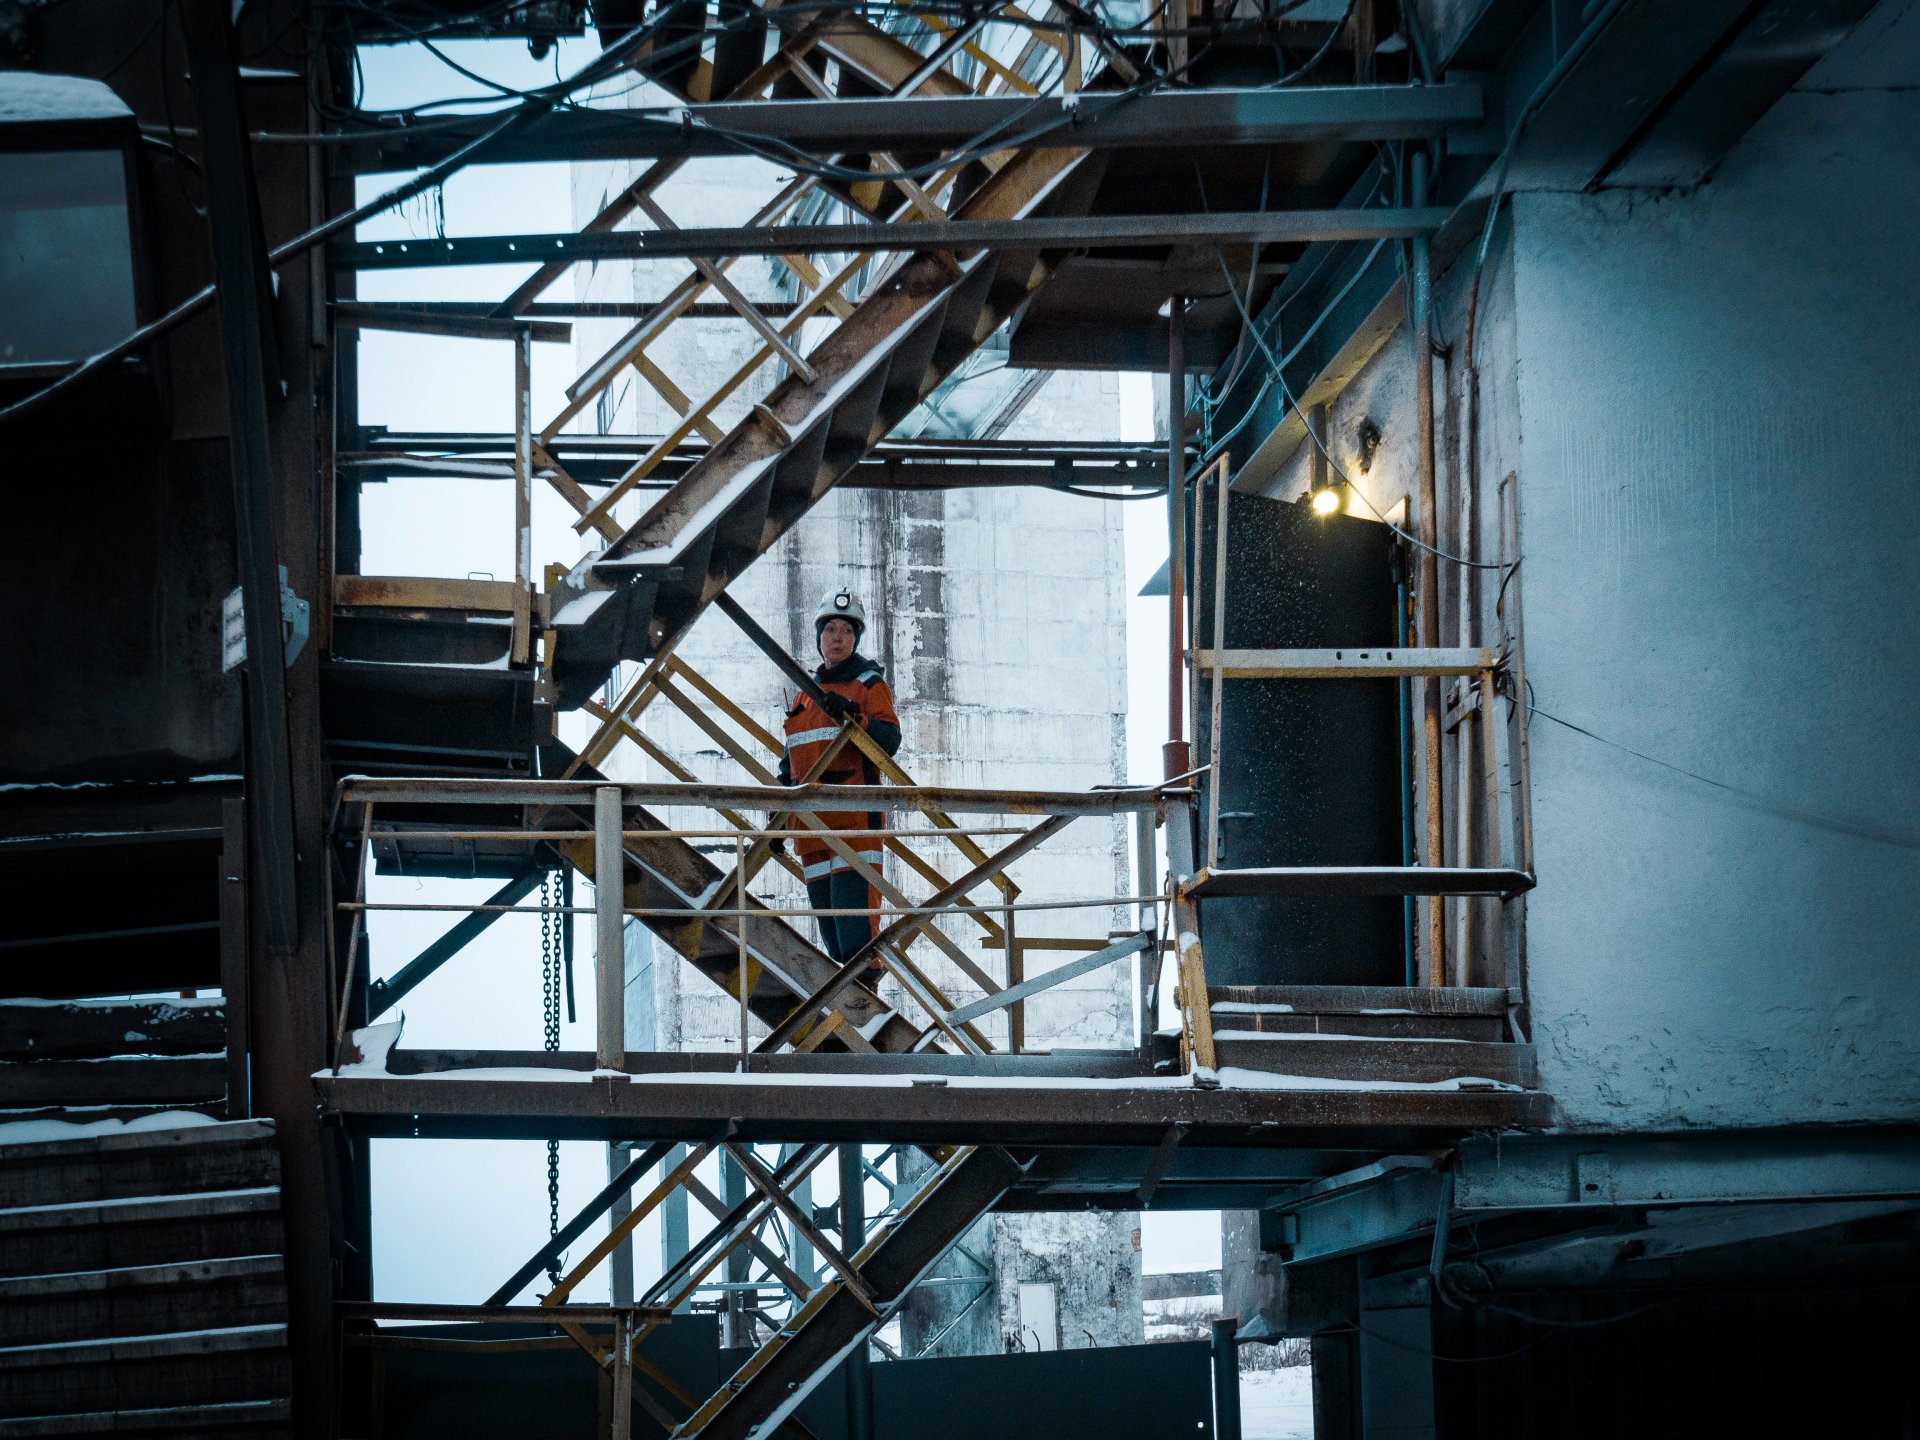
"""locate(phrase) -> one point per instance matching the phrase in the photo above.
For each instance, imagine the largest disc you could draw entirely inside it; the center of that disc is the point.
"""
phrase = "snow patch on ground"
(1277, 1404)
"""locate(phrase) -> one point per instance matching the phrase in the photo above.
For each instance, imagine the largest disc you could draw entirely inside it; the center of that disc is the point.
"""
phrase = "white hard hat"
(841, 605)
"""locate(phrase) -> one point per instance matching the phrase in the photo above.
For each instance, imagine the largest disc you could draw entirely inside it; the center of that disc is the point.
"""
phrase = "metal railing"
(803, 999)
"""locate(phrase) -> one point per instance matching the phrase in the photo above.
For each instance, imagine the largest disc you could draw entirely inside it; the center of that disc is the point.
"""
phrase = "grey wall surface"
(1720, 417)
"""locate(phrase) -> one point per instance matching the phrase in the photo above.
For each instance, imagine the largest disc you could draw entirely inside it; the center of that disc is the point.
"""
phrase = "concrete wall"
(1711, 402)
(1720, 405)
(1092, 1261)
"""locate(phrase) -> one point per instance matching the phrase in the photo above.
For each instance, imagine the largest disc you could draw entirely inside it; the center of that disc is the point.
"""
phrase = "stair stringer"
(783, 968)
(776, 1378)
(958, 302)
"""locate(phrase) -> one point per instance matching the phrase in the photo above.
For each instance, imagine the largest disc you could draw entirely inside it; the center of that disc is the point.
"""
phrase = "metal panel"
(1310, 766)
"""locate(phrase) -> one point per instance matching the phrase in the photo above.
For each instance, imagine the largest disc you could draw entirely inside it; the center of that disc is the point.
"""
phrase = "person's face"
(836, 641)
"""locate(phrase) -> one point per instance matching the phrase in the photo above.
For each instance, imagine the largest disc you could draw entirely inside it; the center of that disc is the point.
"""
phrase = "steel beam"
(915, 1110)
(241, 280)
(285, 978)
(609, 921)
(1345, 664)
(1059, 975)
(1347, 880)
(1315, 114)
(901, 798)
(1554, 1172)
(1399, 1198)
(770, 1386)
(383, 995)
(616, 1189)
(922, 1065)
(600, 460)
(1057, 232)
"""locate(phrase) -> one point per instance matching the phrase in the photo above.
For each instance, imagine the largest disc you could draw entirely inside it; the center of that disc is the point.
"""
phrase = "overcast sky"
(452, 1218)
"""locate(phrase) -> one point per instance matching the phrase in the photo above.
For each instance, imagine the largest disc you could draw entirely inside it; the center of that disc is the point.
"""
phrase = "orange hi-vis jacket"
(810, 730)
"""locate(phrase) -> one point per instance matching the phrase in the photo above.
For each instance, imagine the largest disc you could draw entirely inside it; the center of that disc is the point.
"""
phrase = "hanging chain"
(550, 967)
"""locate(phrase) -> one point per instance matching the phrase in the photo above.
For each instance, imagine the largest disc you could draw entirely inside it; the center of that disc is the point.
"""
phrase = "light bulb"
(1326, 502)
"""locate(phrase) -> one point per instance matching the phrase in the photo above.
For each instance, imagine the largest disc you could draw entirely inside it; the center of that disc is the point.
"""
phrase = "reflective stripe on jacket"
(810, 730)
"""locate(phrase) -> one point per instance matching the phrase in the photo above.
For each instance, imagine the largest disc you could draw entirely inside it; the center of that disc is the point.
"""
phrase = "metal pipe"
(1404, 687)
(616, 1189)
(523, 457)
(740, 945)
(771, 648)
(1229, 116)
(1214, 771)
(1175, 756)
(1427, 580)
(360, 854)
(1016, 974)
(756, 912)
(609, 956)
(1147, 918)
(748, 832)
(383, 995)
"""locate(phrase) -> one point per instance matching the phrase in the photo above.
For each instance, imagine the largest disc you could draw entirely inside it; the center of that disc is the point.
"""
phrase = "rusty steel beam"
(1052, 232)
(925, 1110)
(1312, 114)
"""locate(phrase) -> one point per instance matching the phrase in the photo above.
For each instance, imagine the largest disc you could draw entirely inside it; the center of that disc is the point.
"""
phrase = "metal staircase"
(141, 1285)
(927, 315)
(668, 880)
(848, 1308)
(895, 330)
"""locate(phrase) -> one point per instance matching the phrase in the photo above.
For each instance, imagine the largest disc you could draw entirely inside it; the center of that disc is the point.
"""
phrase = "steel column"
(287, 982)
(1226, 1378)
(609, 953)
(853, 1234)
(1176, 757)
(1427, 574)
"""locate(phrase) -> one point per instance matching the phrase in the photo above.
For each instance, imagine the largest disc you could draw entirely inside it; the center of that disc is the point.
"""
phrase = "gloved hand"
(838, 706)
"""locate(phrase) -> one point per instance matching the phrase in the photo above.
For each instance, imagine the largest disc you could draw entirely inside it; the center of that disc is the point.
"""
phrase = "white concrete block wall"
(1711, 402)
(1720, 409)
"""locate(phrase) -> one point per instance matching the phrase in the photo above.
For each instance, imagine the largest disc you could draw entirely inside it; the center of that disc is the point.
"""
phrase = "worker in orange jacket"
(856, 690)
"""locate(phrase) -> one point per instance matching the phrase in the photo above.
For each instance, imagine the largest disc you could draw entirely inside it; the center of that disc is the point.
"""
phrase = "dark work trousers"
(842, 934)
